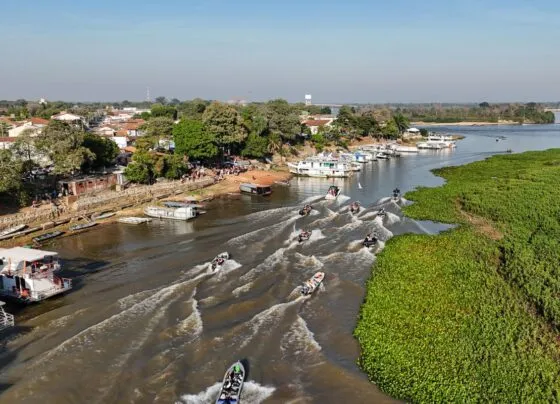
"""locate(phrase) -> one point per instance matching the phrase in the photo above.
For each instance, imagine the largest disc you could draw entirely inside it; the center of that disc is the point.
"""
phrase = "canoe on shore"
(82, 226)
(12, 229)
(47, 236)
(103, 215)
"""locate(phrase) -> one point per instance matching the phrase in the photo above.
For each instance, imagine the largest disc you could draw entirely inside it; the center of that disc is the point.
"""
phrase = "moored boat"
(255, 189)
(220, 260)
(47, 236)
(28, 275)
(13, 229)
(82, 226)
(332, 192)
(321, 167)
(311, 285)
(185, 213)
(232, 384)
(102, 215)
(134, 220)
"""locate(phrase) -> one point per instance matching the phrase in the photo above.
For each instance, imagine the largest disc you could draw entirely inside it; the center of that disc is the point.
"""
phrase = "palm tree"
(402, 122)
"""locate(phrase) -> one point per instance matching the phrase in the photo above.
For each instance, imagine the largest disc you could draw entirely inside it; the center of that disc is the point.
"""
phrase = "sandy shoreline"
(420, 123)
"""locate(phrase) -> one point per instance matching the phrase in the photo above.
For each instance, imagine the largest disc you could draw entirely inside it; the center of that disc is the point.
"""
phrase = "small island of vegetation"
(472, 314)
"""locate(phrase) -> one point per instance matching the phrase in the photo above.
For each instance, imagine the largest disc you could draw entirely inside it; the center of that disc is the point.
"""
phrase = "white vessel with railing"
(184, 213)
(6, 319)
(437, 142)
(28, 275)
(321, 167)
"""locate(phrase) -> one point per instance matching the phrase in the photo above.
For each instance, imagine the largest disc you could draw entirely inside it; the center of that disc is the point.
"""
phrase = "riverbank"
(471, 314)
(135, 206)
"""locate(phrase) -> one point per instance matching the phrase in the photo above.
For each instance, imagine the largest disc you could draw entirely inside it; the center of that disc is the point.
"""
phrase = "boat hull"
(231, 389)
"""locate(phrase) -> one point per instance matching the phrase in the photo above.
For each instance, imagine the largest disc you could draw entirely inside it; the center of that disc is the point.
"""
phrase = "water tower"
(307, 99)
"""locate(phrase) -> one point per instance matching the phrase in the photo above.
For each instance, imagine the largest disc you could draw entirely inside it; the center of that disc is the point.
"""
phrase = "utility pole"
(148, 94)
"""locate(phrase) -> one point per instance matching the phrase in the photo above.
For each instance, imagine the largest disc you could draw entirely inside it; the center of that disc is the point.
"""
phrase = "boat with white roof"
(28, 275)
(183, 213)
(322, 167)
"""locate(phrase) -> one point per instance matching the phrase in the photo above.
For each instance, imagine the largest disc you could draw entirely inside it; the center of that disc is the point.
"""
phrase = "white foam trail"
(62, 321)
(242, 289)
(314, 198)
(359, 186)
(265, 214)
(314, 212)
(131, 300)
(309, 262)
(384, 200)
(405, 202)
(252, 393)
(368, 215)
(226, 267)
(316, 235)
(342, 198)
(193, 323)
(263, 322)
(270, 261)
(299, 341)
(355, 245)
(392, 218)
(244, 240)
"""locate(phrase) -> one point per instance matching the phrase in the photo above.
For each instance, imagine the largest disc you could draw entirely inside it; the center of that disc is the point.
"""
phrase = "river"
(147, 321)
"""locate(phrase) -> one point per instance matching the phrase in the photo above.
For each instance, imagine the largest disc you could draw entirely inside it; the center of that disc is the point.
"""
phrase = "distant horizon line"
(319, 103)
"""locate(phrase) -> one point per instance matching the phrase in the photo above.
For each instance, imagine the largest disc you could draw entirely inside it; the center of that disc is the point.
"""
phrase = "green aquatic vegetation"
(472, 314)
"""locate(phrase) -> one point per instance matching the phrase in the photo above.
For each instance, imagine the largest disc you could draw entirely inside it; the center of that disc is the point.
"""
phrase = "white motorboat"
(332, 192)
(220, 260)
(311, 285)
(406, 149)
(28, 275)
(232, 385)
(184, 213)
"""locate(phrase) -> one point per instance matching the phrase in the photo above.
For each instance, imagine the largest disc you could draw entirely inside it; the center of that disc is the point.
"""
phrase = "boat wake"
(299, 343)
(272, 260)
(252, 392)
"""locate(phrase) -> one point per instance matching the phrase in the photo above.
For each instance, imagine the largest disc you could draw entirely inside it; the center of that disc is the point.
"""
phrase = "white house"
(34, 124)
(105, 131)
(412, 133)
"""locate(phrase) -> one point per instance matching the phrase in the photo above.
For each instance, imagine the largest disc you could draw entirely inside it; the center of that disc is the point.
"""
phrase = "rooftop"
(19, 254)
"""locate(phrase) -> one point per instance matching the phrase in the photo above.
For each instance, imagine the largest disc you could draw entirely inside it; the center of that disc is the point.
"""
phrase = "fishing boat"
(370, 240)
(47, 236)
(220, 260)
(332, 192)
(304, 236)
(103, 215)
(232, 384)
(28, 275)
(82, 226)
(305, 210)
(184, 213)
(311, 285)
(134, 220)
(355, 207)
(13, 229)
(6, 319)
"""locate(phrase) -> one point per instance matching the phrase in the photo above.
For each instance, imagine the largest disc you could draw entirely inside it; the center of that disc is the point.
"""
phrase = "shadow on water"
(7, 356)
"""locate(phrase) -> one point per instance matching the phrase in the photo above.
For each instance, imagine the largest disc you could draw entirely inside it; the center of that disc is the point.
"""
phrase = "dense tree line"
(66, 148)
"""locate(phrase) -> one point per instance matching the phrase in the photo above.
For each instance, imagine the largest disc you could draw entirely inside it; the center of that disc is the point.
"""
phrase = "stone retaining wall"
(107, 201)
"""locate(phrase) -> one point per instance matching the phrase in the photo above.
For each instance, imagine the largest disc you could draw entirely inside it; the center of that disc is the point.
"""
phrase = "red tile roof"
(39, 121)
(7, 120)
(7, 139)
(316, 122)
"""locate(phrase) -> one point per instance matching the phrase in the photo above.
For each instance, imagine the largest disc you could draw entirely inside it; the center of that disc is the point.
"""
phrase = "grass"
(472, 314)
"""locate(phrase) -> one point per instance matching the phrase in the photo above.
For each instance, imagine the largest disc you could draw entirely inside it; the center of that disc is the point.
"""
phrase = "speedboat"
(333, 192)
(381, 212)
(310, 285)
(305, 210)
(232, 384)
(219, 260)
(304, 236)
(396, 193)
(355, 207)
(370, 240)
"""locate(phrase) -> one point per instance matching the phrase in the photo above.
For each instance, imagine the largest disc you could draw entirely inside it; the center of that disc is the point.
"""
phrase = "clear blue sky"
(338, 51)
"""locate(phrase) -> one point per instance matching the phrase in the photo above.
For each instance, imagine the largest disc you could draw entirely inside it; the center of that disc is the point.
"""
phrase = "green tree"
(4, 128)
(255, 146)
(283, 119)
(326, 111)
(163, 110)
(105, 151)
(225, 123)
(157, 128)
(63, 144)
(318, 141)
(192, 139)
(192, 109)
(390, 130)
(161, 100)
(346, 119)
(175, 166)
(10, 167)
(174, 101)
(25, 151)
(366, 124)
(401, 122)
(141, 169)
(424, 132)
